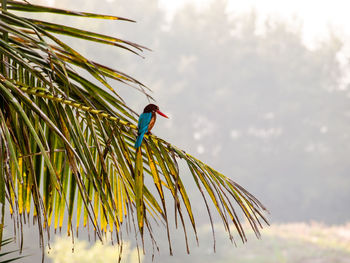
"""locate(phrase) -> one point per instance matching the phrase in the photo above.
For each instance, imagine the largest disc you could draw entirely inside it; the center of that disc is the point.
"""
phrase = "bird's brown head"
(154, 108)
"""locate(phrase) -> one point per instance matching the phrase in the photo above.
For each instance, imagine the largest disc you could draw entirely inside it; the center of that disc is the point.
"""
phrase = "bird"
(146, 122)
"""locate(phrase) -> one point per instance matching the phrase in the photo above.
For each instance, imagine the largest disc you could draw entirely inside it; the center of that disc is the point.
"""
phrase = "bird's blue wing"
(144, 120)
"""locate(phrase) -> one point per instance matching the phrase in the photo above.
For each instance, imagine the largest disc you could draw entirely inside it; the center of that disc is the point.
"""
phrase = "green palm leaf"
(66, 143)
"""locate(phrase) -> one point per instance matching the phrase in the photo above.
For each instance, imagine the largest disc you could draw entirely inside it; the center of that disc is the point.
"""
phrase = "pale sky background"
(314, 19)
(316, 23)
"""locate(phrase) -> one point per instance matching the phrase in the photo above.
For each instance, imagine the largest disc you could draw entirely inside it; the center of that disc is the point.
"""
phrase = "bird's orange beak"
(162, 114)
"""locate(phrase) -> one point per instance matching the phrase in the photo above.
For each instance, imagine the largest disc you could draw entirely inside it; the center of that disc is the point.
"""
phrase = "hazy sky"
(316, 16)
(315, 19)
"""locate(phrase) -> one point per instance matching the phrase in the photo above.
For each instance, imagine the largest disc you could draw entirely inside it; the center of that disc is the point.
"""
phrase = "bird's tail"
(139, 140)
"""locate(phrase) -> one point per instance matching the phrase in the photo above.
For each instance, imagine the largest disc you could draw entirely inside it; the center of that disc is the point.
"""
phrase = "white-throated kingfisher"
(146, 122)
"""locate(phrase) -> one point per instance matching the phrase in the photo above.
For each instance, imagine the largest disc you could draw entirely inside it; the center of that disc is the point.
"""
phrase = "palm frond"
(27, 7)
(72, 138)
(4, 243)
